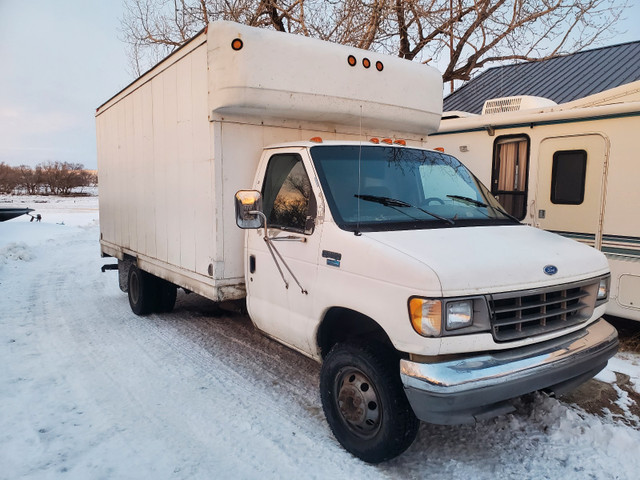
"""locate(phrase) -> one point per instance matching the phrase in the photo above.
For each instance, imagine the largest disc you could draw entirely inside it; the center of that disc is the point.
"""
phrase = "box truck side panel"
(144, 175)
(184, 209)
(170, 192)
(154, 154)
(198, 195)
(158, 163)
(240, 149)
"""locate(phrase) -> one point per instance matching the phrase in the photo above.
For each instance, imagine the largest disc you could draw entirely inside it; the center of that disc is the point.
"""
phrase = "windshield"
(371, 188)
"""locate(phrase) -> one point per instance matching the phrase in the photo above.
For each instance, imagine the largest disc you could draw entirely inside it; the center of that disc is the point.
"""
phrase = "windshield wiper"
(478, 203)
(394, 202)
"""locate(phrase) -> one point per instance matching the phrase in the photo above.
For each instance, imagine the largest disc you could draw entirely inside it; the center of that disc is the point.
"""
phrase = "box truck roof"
(297, 77)
(266, 75)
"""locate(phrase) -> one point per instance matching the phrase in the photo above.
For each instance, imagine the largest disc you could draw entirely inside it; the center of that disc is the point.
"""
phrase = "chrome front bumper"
(472, 388)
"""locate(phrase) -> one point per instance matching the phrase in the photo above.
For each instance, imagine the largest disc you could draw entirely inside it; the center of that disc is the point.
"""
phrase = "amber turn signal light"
(237, 44)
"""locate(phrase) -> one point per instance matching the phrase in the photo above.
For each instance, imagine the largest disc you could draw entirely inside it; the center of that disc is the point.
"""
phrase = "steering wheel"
(427, 201)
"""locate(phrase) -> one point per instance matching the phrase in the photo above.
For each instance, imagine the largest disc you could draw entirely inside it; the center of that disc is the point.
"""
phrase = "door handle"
(252, 263)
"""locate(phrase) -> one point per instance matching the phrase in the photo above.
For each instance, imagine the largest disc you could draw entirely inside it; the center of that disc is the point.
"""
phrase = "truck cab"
(398, 270)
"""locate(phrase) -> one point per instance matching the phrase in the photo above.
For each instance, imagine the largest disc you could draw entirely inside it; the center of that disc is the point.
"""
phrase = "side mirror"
(248, 209)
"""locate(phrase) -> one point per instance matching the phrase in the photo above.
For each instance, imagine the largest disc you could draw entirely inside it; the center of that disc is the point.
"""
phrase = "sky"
(59, 60)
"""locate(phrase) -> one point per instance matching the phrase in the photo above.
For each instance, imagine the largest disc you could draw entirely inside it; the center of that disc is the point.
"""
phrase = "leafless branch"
(462, 35)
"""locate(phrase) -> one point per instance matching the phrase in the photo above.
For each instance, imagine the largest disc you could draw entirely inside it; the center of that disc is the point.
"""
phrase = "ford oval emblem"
(550, 269)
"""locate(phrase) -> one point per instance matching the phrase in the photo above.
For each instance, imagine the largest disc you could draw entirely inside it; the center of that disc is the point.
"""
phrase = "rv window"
(288, 202)
(510, 170)
(568, 177)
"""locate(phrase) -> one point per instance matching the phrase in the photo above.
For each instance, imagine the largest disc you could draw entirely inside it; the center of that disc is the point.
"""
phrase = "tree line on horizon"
(47, 178)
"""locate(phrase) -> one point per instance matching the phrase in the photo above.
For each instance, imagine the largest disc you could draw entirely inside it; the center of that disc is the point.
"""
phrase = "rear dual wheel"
(148, 293)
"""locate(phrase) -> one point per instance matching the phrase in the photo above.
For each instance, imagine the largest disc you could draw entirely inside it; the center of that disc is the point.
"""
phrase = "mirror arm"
(274, 251)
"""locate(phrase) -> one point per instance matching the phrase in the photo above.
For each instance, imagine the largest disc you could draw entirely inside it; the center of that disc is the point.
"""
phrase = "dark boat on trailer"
(7, 213)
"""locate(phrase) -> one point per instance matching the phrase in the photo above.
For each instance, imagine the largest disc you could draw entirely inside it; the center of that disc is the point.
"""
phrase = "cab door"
(570, 193)
(281, 274)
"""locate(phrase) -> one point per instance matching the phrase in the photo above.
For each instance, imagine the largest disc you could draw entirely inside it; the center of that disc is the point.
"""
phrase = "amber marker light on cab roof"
(375, 140)
(237, 44)
(379, 66)
(388, 141)
(366, 63)
(316, 139)
(401, 142)
(439, 149)
(352, 60)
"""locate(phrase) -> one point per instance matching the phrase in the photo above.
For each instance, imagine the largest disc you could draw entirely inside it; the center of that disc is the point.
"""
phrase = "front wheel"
(364, 402)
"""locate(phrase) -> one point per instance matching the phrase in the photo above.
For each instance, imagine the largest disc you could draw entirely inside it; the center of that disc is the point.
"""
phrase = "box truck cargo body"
(388, 262)
(175, 145)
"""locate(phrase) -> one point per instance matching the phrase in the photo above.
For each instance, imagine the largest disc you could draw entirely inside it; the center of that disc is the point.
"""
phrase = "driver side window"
(288, 201)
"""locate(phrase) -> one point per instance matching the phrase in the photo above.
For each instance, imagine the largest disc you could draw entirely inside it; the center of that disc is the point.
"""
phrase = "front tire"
(364, 401)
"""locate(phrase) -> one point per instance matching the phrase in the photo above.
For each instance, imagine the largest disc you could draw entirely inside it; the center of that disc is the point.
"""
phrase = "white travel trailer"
(573, 169)
(387, 262)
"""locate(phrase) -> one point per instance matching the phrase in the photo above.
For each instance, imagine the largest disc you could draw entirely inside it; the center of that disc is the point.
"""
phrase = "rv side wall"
(606, 218)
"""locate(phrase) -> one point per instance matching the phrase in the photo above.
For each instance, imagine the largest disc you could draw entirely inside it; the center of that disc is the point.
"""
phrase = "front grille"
(527, 313)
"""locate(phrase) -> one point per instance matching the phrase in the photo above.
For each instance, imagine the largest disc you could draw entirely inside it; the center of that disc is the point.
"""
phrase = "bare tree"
(60, 178)
(30, 180)
(8, 178)
(464, 35)
(476, 33)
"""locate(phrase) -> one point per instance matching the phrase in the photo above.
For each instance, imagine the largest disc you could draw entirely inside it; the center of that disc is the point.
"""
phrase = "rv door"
(571, 185)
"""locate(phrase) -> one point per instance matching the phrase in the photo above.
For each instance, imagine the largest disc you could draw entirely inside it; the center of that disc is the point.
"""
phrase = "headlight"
(459, 314)
(426, 316)
(603, 288)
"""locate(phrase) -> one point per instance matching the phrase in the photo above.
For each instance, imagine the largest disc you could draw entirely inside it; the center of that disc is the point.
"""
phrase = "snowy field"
(88, 390)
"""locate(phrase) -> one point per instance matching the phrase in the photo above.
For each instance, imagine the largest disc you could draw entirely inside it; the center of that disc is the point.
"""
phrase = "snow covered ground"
(88, 390)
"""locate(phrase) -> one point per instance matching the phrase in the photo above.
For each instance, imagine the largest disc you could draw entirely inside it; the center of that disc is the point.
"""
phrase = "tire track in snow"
(183, 366)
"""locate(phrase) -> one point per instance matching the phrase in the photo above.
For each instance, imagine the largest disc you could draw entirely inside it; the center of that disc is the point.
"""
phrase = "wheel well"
(342, 324)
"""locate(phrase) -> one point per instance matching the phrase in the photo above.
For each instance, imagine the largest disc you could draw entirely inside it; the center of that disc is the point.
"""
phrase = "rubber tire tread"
(166, 293)
(399, 425)
(146, 288)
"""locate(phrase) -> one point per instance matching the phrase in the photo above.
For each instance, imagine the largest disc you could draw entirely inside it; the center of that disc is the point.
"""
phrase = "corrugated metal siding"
(561, 79)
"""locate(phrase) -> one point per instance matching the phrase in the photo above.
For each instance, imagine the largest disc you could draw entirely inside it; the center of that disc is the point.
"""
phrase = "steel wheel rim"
(358, 403)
